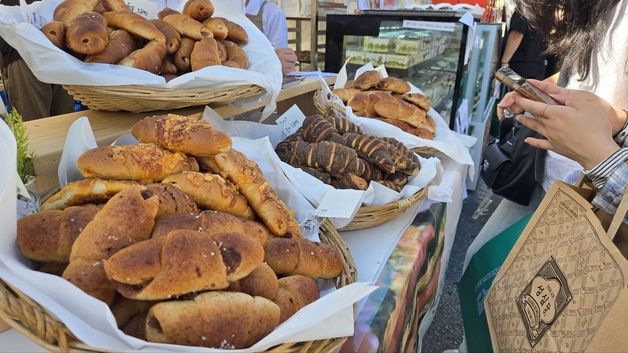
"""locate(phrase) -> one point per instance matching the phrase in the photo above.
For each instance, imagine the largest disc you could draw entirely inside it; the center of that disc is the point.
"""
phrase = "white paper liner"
(19, 27)
(91, 321)
(340, 206)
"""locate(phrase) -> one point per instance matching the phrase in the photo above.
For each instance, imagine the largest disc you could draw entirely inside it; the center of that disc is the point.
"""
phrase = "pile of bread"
(389, 99)
(209, 258)
(337, 152)
(107, 31)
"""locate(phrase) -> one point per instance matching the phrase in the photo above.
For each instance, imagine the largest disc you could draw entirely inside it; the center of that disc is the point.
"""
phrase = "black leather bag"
(510, 167)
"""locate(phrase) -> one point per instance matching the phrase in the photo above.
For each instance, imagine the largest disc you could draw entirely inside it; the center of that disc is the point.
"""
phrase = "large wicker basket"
(31, 320)
(137, 99)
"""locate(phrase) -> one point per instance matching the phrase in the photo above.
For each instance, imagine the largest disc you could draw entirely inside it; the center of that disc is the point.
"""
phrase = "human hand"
(579, 130)
(288, 60)
(508, 103)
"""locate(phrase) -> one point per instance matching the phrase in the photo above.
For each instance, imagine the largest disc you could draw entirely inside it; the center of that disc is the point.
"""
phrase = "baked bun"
(85, 191)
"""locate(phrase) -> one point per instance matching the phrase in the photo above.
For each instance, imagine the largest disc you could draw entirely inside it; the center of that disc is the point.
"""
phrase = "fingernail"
(519, 118)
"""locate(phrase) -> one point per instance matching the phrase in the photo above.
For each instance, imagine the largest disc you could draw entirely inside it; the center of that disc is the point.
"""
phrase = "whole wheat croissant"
(302, 257)
(295, 292)
(217, 26)
(262, 282)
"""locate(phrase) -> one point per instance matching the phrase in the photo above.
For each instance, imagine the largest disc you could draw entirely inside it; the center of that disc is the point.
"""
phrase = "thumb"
(539, 143)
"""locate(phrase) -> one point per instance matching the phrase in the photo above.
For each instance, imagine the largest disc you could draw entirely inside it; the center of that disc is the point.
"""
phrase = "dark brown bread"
(149, 58)
(402, 155)
(393, 84)
(317, 173)
(350, 181)
(342, 125)
(55, 31)
(262, 282)
(227, 320)
(316, 129)
(168, 68)
(136, 327)
(188, 27)
(48, 236)
(193, 136)
(236, 54)
(400, 179)
(87, 33)
(390, 184)
(205, 53)
(235, 32)
(334, 158)
(124, 310)
(367, 80)
(199, 10)
(135, 24)
(182, 56)
(295, 292)
(120, 45)
(70, 9)
(171, 199)
(85, 191)
(173, 38)
(303, 257)
(370, 171)
(217, 26)
(371, 148)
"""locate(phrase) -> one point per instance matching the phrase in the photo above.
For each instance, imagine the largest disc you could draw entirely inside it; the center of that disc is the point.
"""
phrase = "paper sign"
(430, 25)
(145, 8)
(291, 120)
(333, 203)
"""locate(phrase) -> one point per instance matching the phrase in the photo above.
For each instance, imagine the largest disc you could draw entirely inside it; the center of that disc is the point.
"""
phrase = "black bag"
(511, 167)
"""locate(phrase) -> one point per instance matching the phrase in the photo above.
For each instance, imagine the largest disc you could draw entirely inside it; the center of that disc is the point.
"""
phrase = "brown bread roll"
(393, 84)
(363, 103)
(53, 268)
(134, 162)
(199, 10)
(222, 51)
(236, 54)
(173, 38)
(226, 320)
(233, 64)
(120, 45)
(367, 80)
(149, 58)
(250, 181)
(48, 236)
(391, 184)
(422, 133)
(235, 32)
(167, 11)
(418, 99)
(302, 257)
(87, 33)
(350, 181)
(55, 32)
(135, 24)
(317, 173)
(193, 136)
(125, 220)
(136, 327)
(373, 149)
(182, 56)
(342, 125)
(85, 191)
(211, 223)
(168, 67)
(315, 129)
(295, 292)
(402, 111)
(346, 93)
(211, 191)
(124, 309)
(350, 84)
(217, 26)
(114, 5)
(331, 157)
(262, 282)
(188, 27)
(171, 199)
(205, 53)
(70, 9)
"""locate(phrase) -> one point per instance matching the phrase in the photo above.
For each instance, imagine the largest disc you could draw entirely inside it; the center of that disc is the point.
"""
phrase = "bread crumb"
(72, 220)
(212, 253)
(204, 338)
(312, 253)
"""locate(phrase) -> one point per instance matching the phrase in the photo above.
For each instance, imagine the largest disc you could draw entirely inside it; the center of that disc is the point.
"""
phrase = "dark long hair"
(573, 28)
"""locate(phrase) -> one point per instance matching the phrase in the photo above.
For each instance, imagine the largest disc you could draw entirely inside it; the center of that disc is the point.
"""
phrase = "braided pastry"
(371, 148)
(342, 125)
(316, 129)
(334, 158)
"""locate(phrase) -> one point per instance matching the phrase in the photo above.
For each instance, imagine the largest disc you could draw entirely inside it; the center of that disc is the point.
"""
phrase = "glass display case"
(426, 48)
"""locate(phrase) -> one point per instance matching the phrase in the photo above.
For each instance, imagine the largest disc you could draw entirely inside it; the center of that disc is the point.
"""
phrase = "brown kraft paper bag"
(564, 285)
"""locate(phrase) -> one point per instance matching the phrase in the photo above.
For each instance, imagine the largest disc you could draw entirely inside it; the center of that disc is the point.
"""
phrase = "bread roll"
(193, 136)
(302, 257)
(226, 320)
(402, 111)
(48, 236)
(350, 181)
(422, 133)
(182, 56)
(188, 27)
(367, 80)
(168, 67)
(173, 38)
(70, 9)
(262, 282)
(250, 181)
(222, 51)
(55, 32)
(136, 327)
(418, 99)
(235, 32)
(167, 11)
(211, 222)
(87, 33)
(236, 54)
(350, 84)
(371, 148)
(393, 84)
(171, 199)
(120, 45)
(217, 26)
(205, 53)
(134, 162)
(199, 10)
(363, 103)
(115, 5)
(211, 191)
(149, 58)
(85, 191)
(346, 93)
(295, 292)
(53, 268)
(125, 220)
(135, 24)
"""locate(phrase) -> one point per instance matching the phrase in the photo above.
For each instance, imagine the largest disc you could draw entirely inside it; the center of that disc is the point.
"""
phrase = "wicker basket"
(372, 216)
(137, 99)
(31, 320)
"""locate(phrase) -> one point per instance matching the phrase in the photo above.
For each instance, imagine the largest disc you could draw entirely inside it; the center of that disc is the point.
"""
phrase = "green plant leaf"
(25, 158)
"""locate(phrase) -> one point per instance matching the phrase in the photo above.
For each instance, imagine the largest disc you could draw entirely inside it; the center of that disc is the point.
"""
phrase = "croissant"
(173, 38)
(294, 293)
(363, 103)
(135, 24)
(87, 33)
(236, 54)
(205, 53)
(217, 26)
(402, 111)
(235, 32)
(262, 282)
(422, 133)
(149, 58)
(211, 191)
(182, 262)
(171, 199)
(70, 9)
(199, 10)
(226, 320)
(188, 27)
(418, 99)
(345, 94)
(167, 11)
(182, 134)
(302, 257)
(120, 45)
(367, 80)
(182, 56)
(134, 162)
(391, 184)
(85, 191)
(55, 32)
(393, 84)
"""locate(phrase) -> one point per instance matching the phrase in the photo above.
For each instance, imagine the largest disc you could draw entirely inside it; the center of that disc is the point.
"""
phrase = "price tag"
(339, 204)
(430, 25)
(291, 120)
(145, 8)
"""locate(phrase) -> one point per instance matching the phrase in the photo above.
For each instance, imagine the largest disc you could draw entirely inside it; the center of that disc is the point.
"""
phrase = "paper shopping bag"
(564, 285)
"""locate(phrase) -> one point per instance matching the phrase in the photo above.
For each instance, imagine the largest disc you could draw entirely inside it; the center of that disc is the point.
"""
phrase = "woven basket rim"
(27, 317)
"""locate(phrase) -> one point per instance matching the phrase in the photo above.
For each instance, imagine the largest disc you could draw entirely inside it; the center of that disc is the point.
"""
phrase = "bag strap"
(618, 218)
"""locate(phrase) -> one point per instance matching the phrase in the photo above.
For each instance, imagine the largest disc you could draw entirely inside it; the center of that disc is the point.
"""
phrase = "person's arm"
(512, 44)
(275, 25)
(610, 179)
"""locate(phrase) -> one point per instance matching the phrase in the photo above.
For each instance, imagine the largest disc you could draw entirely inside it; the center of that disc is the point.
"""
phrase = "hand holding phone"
(526, 89)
